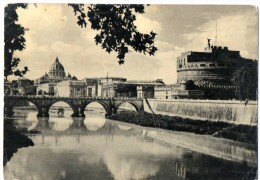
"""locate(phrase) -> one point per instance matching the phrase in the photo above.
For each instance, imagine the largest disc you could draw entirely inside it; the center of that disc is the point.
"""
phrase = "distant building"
(146, 89)
(22, 86)
(26, 86)
(72, 88)
(8, 87)
(56, 74)
(94, 87)
(163, 92)
(120, 87)
(103, 86)
(46, 85)
(104, 80)
(176, 91)
(46, 89)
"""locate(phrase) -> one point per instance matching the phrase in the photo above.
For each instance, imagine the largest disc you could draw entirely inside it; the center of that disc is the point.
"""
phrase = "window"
(202, 65)
(90, 92)
(211, 65)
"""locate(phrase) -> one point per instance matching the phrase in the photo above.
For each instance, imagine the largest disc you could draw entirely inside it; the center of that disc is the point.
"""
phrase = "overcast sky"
(53, 31)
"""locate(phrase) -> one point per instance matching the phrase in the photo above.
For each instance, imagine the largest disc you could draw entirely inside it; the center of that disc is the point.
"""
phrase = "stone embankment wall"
(215, 110)
(217, 147)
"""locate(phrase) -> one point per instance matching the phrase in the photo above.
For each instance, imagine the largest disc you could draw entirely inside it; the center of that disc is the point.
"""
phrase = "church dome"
(56, 70)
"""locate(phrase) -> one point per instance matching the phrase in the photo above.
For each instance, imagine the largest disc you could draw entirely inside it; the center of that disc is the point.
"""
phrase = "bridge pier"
(108, 113)
(114, 110)
(78, 115)
(43, 112)
(78, 112)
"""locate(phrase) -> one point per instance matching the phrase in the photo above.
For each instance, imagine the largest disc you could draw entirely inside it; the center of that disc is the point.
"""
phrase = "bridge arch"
(135, 105)
(71, 105)
(27, 100)
(104, 105)
(10, 104)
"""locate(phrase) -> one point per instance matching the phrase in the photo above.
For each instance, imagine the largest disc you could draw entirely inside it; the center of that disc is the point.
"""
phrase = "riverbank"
(241, 133)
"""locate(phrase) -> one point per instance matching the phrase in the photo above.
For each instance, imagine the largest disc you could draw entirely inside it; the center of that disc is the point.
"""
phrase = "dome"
(57, 70)
(56, 66)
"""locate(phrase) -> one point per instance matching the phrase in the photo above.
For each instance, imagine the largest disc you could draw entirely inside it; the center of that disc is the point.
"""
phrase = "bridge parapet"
(65, 97)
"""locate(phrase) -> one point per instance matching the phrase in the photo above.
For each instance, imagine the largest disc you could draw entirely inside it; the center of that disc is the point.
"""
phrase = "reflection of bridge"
(78, 127)
(78, 104)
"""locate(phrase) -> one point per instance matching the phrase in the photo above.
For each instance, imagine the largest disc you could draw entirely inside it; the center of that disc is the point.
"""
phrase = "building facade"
(94, 86)
(46, 89)
(72, 88)
(132, 89)
(176, 91)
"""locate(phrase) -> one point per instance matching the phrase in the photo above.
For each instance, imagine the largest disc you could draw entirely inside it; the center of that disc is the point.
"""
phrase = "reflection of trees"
(198, 166)
(13, 140)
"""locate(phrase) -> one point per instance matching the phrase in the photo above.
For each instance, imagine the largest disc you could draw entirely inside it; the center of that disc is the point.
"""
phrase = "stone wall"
(216, 110)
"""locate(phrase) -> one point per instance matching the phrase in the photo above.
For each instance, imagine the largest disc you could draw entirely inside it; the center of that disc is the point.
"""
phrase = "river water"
(97, 148)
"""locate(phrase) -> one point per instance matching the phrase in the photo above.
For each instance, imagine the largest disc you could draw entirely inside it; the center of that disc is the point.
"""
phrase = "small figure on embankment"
(246, 103)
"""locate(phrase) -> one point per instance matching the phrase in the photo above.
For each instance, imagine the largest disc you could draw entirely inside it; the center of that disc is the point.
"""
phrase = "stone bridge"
(78, 104)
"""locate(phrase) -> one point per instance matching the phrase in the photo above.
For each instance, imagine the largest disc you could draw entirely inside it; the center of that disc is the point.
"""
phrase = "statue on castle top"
(209, 43)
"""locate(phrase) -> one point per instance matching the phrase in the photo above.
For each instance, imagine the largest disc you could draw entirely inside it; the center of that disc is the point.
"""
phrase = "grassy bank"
(241, 133)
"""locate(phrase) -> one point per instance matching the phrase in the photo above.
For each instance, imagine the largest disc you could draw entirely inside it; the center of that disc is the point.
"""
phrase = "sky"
(53, 32)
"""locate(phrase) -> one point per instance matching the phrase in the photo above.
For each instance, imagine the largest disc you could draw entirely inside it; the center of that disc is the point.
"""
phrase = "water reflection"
(97, 148)
(77, 125)
(13, 139)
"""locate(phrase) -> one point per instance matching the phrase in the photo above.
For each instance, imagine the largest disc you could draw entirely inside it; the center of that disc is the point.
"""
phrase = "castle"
(204, 75)
(208, 68)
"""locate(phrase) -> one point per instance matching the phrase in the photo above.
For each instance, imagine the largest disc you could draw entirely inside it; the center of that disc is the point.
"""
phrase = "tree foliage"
(245, 79)
(117, 31)
(115, 24)
(14, 40)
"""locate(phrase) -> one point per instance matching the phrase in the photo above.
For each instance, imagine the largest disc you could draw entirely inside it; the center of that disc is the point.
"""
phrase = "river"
(96, 148)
